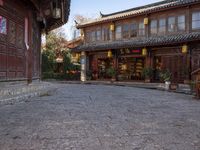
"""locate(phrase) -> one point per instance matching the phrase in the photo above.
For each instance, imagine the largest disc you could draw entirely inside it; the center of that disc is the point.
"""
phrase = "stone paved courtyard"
(98, 117)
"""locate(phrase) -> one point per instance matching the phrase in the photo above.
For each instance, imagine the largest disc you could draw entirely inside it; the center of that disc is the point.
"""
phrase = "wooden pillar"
(148, 60)
(83, 66)
(116, 64)
(189, 63)
(28, 42)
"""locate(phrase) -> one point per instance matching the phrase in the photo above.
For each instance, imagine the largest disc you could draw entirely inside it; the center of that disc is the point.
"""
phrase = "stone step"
(11, 93)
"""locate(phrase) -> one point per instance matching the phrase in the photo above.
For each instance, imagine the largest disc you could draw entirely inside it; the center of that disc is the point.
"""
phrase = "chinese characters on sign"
(3, 25)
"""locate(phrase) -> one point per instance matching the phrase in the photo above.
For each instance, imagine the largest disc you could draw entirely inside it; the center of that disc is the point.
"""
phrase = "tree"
(56, 47)
(79, 19)
(52, 49)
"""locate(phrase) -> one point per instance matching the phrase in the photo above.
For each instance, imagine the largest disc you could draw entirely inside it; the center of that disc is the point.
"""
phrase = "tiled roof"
(155, 7)
(145, 42)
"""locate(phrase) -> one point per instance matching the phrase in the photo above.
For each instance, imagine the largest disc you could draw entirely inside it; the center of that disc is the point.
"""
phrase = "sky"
(91, 8)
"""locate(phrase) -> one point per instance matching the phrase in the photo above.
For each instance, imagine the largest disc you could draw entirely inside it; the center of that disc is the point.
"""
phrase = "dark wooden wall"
(16, 61)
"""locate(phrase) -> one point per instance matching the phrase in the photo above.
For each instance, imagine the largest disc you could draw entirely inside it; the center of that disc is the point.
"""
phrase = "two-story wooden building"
(162, 35)
(21, 25)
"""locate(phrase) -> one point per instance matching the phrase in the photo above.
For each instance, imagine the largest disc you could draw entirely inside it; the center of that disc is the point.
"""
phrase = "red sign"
(135, 51)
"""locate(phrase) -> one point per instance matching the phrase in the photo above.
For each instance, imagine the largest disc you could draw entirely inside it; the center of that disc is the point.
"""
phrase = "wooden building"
(163, 36)
(21, 25)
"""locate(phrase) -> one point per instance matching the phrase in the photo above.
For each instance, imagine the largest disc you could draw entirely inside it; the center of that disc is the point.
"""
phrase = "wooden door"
(12, 48)
(176, 65)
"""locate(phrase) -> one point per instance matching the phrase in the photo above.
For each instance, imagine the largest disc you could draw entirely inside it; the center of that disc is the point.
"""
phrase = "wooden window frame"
(126, 33)
(163, 26)
(118, 33)
(196, 29)
(110, 35)
(105, 34)
(93, 36)
(141, 29)
(6, 32)
(155, 27)
(88, 35)
(132, 30)
(175, 24)
(178, 29)
(98, 37)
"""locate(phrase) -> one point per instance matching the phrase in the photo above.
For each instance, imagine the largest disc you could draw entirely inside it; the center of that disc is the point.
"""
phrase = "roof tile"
(152, 41)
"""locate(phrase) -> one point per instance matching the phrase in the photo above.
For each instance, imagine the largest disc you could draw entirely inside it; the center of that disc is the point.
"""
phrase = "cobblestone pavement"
(98, 117)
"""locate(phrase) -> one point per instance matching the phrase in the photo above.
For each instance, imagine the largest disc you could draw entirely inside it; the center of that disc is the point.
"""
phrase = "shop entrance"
(176, 65)
(130, 68)
(103, 65)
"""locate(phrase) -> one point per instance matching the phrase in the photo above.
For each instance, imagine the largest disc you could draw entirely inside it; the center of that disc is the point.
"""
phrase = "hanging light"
(109, 54)
(184, 48)
(56, 10)
(146, 21)
(124, 67)
(82, 32)
(144, 51)
(112, 27)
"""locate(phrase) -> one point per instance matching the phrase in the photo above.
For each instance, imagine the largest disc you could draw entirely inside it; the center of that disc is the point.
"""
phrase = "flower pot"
(186, 81)
(113, 80)
(167, 85)
(147, 80)
(173, 86)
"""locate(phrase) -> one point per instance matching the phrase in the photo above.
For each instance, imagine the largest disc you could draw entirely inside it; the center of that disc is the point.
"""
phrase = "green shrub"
(48, 75)
(165, 75)
(147, 73)
(110, 72)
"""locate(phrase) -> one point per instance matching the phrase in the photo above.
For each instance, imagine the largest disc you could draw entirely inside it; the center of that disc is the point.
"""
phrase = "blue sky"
(91, 8)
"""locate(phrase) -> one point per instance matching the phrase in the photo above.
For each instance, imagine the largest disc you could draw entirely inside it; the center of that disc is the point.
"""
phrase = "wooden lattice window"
(133, 30)
(153, 27)
(3, 25)
(20, 37)
(126, 31)
(93, 36)
(141, 29)
(162, 25)
(12, 32)
(181, 23)
(98, 35)
(118, 32)
(196, 21)
(171, 24)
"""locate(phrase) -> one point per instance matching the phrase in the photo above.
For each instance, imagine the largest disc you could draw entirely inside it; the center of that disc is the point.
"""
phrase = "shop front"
(131, 63)
(172, 59)
(99, 63)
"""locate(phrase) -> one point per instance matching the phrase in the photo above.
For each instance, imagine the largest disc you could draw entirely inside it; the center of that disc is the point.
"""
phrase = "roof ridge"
(154, 7)
(139, 7)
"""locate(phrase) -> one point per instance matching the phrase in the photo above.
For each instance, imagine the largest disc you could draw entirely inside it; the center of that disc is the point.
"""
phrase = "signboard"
(129, 51)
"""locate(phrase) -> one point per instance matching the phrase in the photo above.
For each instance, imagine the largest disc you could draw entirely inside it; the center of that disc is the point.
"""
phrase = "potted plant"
(111, 73)
(147, 74)
(165, 76)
